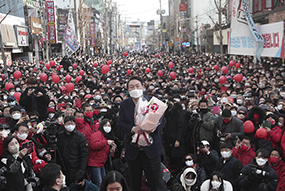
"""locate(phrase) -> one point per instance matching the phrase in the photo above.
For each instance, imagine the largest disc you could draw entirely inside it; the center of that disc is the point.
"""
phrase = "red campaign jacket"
(275, 137)
(85, 130)
(94, 125)
(34, 158)
(98, 150)
(244, 157)
(280, 170)
(1, 147)
(282, 143)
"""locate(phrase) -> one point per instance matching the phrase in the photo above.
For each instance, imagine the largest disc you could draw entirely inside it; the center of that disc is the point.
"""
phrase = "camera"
(51, 131)
(201, 145)
(35, 90)
(34, 181)
(3, 179)
(223, 136)
(256, 170)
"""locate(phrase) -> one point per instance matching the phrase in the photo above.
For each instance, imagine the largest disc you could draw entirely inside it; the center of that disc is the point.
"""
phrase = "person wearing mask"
(241, 113)
(203, 123)
(89, 118)
(114, 181)
(188, 179)
(34, 98)
(82, 126)
(229, 166)
(206, 157)
(18, 164)
(140, 159)
(51, 113)
(243, 150)
(99, 150)
(258, 175)
(228, 128)
(190, 161)
(275, 132)
(216, 183)
(52, 178)
(278, 164)
(73, 147)
(15, 113)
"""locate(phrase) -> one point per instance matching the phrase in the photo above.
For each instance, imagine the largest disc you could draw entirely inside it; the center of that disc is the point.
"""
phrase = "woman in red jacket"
(278, 165)
(99, 149)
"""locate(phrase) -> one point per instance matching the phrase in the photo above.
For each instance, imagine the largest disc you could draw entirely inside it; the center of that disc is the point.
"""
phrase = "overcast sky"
(145, 10)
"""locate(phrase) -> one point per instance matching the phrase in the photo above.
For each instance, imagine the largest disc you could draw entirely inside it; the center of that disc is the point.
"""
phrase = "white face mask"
(234, 96)
(216, 184)
(136, 93)
(107, 129)
(51, 115)
(239, 101)
(233, 113)
(103, 110)
(16, 116)
(14, 149)
(188, 181)
(226, 154)
(12, 93)
(189, 163)
(22, 137)
(41, 154)
(282, 94)
(260, 161)
(97, 97)
(279, 107)
(69, 128)
(280, 124)
(60, 119)
(63, 181)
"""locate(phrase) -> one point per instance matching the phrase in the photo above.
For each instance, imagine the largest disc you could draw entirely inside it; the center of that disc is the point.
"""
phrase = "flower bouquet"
(147, 118)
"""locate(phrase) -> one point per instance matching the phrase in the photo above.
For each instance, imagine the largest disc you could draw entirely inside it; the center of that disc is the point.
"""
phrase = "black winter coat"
(14, 174)
(74, 151)
(41, 102)
(174, 130)
(230, 170)
(246, 183)
(209, 162)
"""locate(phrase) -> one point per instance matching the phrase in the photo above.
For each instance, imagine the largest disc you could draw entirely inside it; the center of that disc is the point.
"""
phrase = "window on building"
(268, 4)
(250, 6)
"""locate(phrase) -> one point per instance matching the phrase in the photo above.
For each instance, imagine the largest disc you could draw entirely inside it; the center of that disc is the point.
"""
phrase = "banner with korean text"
(51, 22)
(242, 41)
(92, 33)
(71, 43)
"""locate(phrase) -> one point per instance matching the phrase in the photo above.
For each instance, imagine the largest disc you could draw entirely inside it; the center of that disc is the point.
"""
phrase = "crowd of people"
(69, 124)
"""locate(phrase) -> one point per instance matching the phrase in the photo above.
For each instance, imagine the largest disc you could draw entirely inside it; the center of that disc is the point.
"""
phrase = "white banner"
(242, 41)
(71, 43)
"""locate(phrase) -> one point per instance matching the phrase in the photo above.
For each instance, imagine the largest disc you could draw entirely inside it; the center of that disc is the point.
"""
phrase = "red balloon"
(225, 69)
(74, 65)
(173, 75)
(52, 63)
(60, 66)
(48, 66)
(57, 68)
(55, 78)
(95, 64)
(109, 62)
(43, 77)
(191, 70)
(216, 67)
(160, 73)
(8, 86)
(17, 96)
(171, 65)
(248, 126)
(147, 70)
(70, 87)
(53, 74)
(238, 77)
(78, 78)
(105, 69)
(261, 133)
(238, 65)
(17, 74)
(165, 51)
(3, 76)
(125, 54)
(232, 63)
(129, 71)
(222, 79)
(155, 55)
(159, 53)
(41, 62)
(67, 78)
(81, 72)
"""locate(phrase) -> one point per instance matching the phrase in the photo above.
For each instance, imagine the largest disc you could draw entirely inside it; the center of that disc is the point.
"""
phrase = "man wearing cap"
(241, 113)
(228, 127)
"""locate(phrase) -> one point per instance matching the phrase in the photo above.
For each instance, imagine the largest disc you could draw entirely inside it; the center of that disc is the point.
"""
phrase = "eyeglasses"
(240, 113)
(70, 123)
(188, 159)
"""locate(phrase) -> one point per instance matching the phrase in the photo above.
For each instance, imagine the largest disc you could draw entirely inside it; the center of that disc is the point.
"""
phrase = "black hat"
(226, 113)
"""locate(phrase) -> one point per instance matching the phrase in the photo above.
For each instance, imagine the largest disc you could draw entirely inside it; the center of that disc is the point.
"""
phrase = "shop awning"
(8, 36)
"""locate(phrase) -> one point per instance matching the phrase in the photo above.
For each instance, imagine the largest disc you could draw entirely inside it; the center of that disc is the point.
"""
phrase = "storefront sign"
(51, 21)
(36, 26)
(22, 35)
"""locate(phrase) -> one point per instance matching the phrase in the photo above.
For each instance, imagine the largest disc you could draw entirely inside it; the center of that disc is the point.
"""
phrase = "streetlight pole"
(160, 13)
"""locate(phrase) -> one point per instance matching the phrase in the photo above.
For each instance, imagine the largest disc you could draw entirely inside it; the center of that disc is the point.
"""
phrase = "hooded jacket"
(280, 170)
(244, 156)
(188, 186)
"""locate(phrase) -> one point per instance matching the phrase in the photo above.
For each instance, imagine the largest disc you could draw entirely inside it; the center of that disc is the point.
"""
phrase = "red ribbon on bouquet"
(144, 135)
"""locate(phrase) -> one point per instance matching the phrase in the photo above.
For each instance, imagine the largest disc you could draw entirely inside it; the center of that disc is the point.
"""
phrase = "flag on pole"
(71, 43)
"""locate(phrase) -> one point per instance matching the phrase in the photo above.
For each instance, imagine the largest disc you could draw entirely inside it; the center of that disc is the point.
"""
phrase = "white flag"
(71, 43)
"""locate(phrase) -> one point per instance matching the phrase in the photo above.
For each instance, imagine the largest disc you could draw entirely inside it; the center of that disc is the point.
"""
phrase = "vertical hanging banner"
(51, 21)
(92, 33)
(245, 37)
(71, 43)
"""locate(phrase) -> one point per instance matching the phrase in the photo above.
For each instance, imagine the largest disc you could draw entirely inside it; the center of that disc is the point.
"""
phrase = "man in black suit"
(140, 158)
